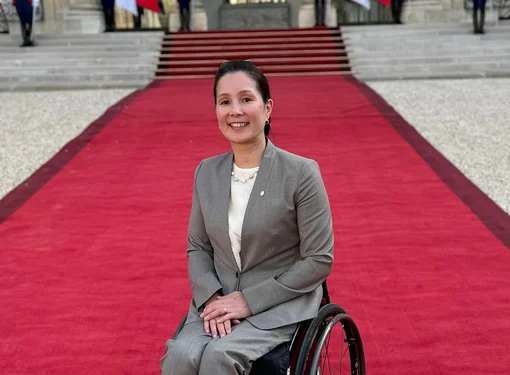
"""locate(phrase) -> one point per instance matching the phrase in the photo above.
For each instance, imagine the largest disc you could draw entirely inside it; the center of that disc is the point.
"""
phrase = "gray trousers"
(196, 352)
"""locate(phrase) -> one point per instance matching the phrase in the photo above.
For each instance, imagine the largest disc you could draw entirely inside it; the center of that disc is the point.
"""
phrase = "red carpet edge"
(489, 213)
(22, 193)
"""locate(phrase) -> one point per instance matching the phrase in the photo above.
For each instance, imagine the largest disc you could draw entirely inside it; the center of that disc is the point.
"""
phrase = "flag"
(364, 3)
(129, 5)
(149, 4)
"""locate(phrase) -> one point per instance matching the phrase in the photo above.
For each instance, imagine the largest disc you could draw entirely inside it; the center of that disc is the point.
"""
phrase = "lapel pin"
(262, 193)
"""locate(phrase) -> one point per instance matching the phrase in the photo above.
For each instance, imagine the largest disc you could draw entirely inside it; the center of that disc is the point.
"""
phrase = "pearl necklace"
(250, 177)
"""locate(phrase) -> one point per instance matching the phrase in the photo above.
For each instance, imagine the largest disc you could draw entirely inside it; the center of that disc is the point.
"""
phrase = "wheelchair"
(328, 344)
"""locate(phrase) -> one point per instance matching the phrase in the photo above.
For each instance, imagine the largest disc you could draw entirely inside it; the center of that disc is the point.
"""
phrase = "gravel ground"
(468, 121)
(36, 125)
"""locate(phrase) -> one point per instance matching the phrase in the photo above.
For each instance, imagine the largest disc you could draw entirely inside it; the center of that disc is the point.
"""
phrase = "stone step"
(394, 31)
(490, 34)
(439, 66)
(77, 76)
(75, 49)
(107, 35)
(444, 68)
(487, 50)
(418, 28)
(411, 75)
(391, 49)
(99, 62)
(72, 85)
(468, 37)
(82, 68)
(124, 43)
(42, 55)
(134, 35)
(411, 60)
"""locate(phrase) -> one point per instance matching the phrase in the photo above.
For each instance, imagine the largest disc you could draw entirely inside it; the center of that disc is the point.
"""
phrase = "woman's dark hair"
(234, 66)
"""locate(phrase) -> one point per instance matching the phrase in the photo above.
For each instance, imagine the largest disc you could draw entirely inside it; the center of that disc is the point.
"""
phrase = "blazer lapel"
(257, 192)
(224, 177)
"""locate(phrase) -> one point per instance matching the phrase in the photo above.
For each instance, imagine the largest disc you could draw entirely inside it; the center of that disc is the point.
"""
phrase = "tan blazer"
(286, 245)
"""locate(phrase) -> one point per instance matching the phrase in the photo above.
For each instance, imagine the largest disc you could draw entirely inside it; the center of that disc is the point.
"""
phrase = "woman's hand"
(225, 308)
(214, 328)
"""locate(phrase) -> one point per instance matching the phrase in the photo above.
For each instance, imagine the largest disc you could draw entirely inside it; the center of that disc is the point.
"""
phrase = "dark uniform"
(396, 10)
(25, 14)
(109, 14)
(478, 6)
(184, 14)
(320, 12)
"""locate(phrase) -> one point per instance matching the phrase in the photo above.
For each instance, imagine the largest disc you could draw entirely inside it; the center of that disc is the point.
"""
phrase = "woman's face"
(240, 109)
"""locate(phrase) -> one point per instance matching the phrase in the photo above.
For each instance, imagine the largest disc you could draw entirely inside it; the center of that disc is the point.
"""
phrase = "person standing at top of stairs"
(320, 12)
(109, 14)
(478, 5)
(184, 14)
(137, 19)
(25, 13)
(396, 10)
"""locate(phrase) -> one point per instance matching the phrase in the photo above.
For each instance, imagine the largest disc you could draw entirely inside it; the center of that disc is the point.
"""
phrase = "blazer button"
(262, 193)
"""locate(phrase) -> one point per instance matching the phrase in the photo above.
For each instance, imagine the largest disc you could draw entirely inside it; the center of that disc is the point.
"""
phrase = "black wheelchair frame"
(304, 354)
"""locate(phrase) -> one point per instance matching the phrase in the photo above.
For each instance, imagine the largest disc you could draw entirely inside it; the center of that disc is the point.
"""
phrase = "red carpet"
(276, 52)
(92, 247)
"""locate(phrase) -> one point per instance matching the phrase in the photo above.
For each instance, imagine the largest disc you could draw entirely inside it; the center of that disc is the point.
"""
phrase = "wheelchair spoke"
(332, 345)
(333, 349)
(326, 357)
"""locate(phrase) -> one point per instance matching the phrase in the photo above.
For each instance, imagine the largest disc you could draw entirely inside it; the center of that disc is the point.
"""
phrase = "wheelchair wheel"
(332, 345)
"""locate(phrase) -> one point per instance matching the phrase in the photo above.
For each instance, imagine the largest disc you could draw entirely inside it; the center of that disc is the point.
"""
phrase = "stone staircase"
(428, 51)
(109, 60)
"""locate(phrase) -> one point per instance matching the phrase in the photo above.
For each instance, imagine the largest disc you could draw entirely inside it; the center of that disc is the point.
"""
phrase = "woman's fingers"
(228, 326)
(212, 314)
(225, 318)
(213, 310)
(221, 329)
(207, 326)
(214, 328)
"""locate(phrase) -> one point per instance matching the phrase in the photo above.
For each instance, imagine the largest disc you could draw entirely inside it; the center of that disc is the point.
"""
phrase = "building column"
(295, 7)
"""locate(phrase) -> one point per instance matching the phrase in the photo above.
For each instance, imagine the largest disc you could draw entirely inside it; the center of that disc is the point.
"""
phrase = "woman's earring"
(267, 123)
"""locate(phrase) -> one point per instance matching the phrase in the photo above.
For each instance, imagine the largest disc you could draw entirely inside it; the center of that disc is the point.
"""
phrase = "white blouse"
(240, 190)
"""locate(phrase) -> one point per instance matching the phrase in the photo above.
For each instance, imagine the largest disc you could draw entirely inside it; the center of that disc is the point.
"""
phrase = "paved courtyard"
(468, 121)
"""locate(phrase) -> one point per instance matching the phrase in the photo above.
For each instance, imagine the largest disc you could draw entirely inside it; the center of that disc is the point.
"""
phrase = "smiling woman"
(243, 109)
(260, 238)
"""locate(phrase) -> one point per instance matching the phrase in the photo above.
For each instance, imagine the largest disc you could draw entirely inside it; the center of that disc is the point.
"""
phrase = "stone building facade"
(85, 16)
